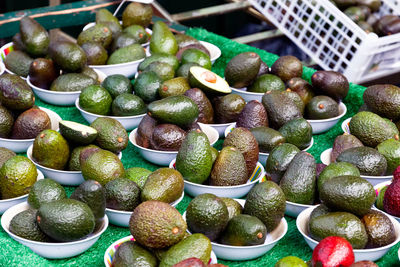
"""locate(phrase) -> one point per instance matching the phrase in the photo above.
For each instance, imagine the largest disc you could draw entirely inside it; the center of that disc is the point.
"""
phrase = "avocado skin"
(137, 13)
(42, 72)
(18, 62)
(348, 193)
(228, 108)
(30, 123)
(146, 86)
(337, 169)
(24, 225)
(68, 56)
(379, 228)
(162, 57)
(343, 142)
(384, 100)
(71, 82)
(111, 135)
(167, 137)
(122, 194)
(98, 34)
(145, 131)
(267, 138)
(297, 132)
(206, 111)
(162, 39)
(390, 149)
(6, 122)
(130, 253)
(132, 52)
(242, 69)
(34, 36)
(368, 160)
(252, 115)
(279, 159)
(287, 67)
(330, 83)
(302, 88)
(322, 107)
(15, 94)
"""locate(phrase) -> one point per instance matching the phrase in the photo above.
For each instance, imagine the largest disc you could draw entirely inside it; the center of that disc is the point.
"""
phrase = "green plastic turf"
(14, 254)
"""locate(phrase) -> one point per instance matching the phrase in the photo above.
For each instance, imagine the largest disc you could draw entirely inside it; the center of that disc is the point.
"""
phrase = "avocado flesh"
(208, 81)
(78, 133)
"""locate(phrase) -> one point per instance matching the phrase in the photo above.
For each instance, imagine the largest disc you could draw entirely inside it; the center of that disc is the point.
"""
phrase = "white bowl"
(215, 52)
(2, 67)
(373, 254)
(21, 145)
(121, 217)
(235, 191)
(321, 126)
(68, 178)
(113, 247)
(5, 204)
(377, 188)
(129, 122)
(163, 158)
(294, 209)
(242, 253)
(374, 180)
(4, 51)
(345, 125)
(220, 127)
(247, 96)
(52, 250)
(59, 98)
(262, 156)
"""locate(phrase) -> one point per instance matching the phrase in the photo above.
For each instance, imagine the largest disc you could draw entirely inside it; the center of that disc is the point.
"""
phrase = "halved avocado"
(77, 133)
(208, 81)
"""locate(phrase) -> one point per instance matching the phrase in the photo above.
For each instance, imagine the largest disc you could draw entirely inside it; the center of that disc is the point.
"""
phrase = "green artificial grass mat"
(14, 254)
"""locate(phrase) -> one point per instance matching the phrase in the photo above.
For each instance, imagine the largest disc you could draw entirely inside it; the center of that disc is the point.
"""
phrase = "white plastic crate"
(333, 40)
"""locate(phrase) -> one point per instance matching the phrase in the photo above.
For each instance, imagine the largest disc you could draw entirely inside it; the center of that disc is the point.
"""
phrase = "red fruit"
(396, 174)
(391, 199)
(333, 251)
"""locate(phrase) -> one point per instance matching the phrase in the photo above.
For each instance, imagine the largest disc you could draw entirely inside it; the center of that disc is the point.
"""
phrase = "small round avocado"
(196, 56)
(287, 67)
(172, 87)
(138, 32)
(96, 54)
(267, 82)
(228, 108)
(24, 225)
(44, 191)
(117, 84)
(128, 105)
(322, 107)
(146, 86)
(164, 70)
(95, 99)
(98, 34)
(297, 132)
(137, 13)
(167, 137)
(111, 135)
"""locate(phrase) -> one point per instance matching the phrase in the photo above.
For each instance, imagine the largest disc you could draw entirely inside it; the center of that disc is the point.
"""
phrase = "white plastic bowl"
(262, 156)
(294, 209)
(215, 52)
(59, 98)
(242, 253)
(373, 254)
(247, 96)
(108, 256)
(68, 178)
(129, 122)
(321, 126)
(374, 180)
(5, 204)
(377, 188)
(52, 250)
(163, 158)
(4, 51)
(121, 218)
(220, 127)
(21, 145)
(345, 125)
(2, 67)
(235, 191)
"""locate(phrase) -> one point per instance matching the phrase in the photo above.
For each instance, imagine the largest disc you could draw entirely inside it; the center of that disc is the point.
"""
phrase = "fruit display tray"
(14, 254)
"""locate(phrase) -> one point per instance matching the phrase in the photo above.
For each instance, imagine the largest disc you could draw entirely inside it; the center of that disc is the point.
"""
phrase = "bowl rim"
(100, 116)
(237, 90)
(53, 244)
(40, 176)
(214, 47)
(364, 250)
(218, 124)
(344, 112)
(2, 67)
(343, 125)
(30, 139)
(300, 205)
(34, 87)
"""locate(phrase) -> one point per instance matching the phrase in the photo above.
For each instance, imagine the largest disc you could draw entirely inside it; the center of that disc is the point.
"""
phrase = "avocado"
(196, 245)
(206, 111)
(74, 163)
(234, 207)
(111, 134)
(96, 54)
(104, 15)
(147, 85)
(343, 142)
(114, 27)
(6, 122)
(299, 181)
(18, 62)
(24, 225)
(173, 87)
(244, 230)
(88, 71)
(390, 149)
(287, 67)
(164, 70)
(384, 100)
(348, 193)
(365, 26)
(157, 215)
(196, 56)
(290, 261)
(128, 105)
(130, 253)
(368, 160)
(321, 209)
(68, 56)
(117, 84)
(242, 69)
(341, 224)
(264, 69)
(30, 123)
(228, 108)
(55, 220)
(207, 214)
(17, 42)
(295, 98)
(77, 133)
(122, 40)
(194, 160)
(337, 169)
(355, 13)
(229, 168)
(266, 82)
(380, 198)
(280, 108)
(94, 195)
(44, 191)
(374, 5)
(145, 131)
(15, 94)
(34, 36)
(98, 34)
(322, 107)
(209, 82)
(297, 132)
(184, 40)
(167, 137)
(330, 83)
(42, 72)
(179, 110)
(138, 175)
(162, 57)
(267, 138)
(95, 99)
(164, 185)
(5, 154)
(214, 153)
(266, 201)
(138, 32)
(162, 39)
(379, 228)
(102, 166)
(183, 70)
(302, 88)
(47, 144)
(372, 129)
(125, 54)
(137, 13)
(72, 82)
(122, 194)
(252, 115)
